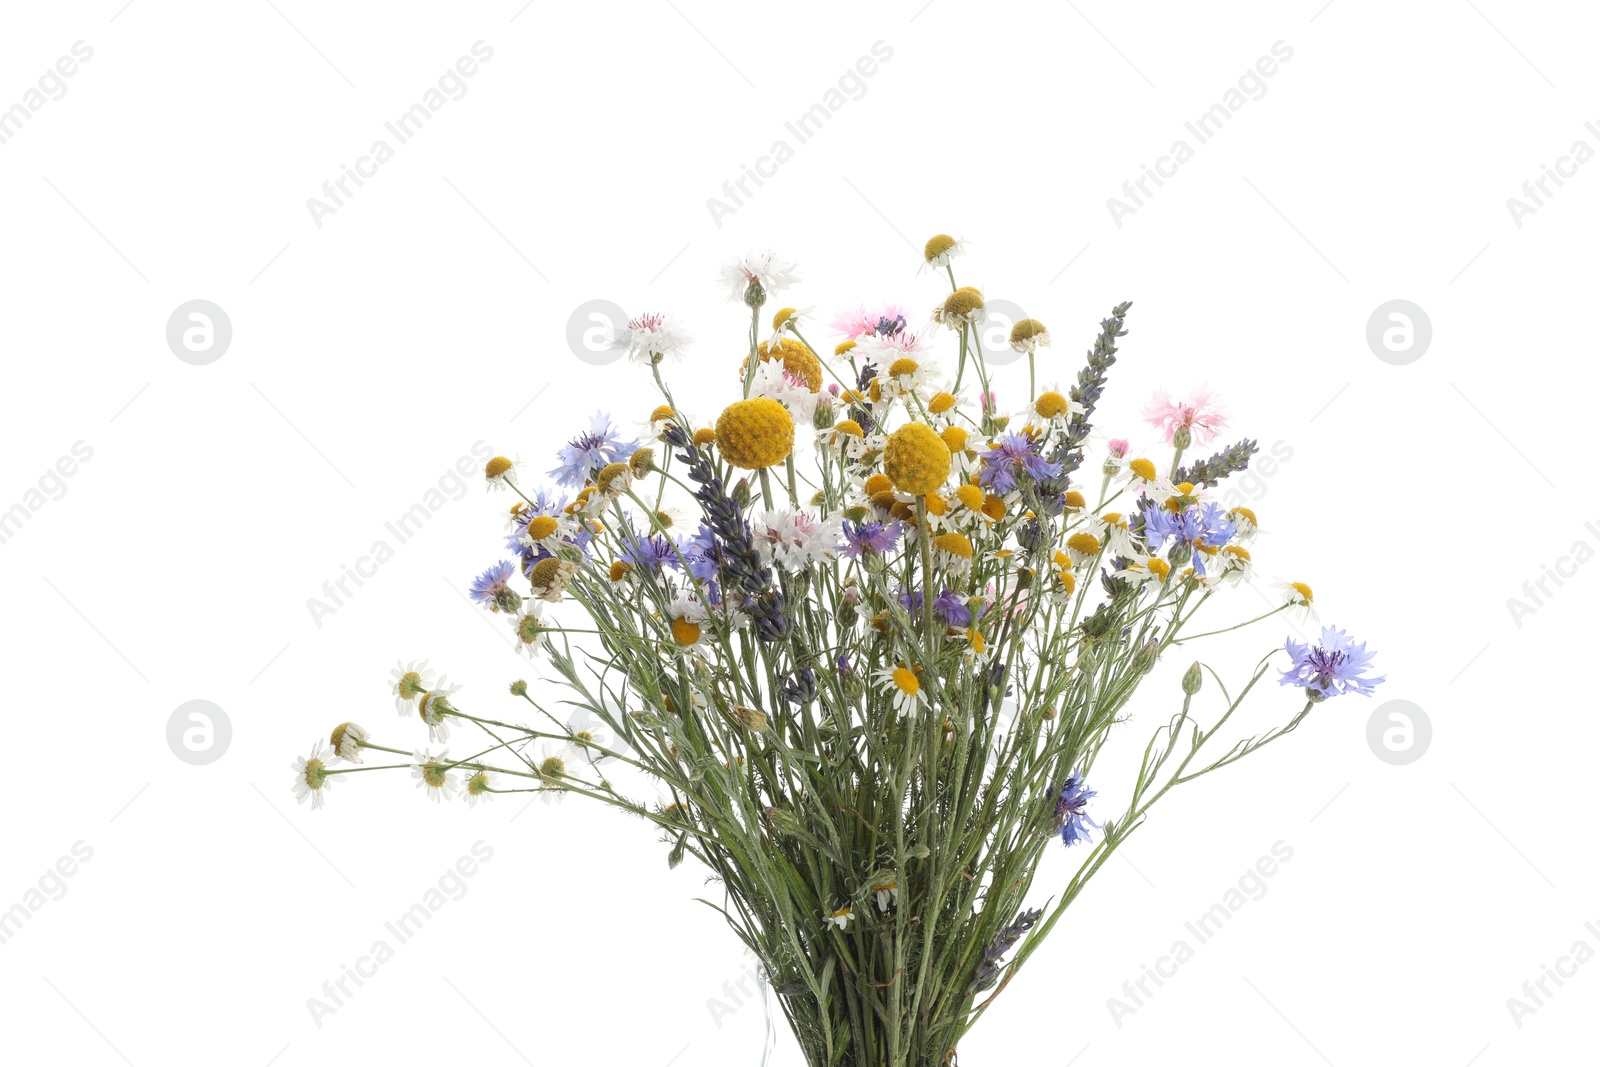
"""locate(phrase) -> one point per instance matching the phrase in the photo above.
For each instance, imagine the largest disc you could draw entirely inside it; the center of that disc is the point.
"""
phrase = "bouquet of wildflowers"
(855, 644)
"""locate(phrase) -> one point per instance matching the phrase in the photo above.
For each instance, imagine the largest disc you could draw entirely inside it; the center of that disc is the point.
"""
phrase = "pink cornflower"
(1201, 415)
(1118, 447)
(859, 322)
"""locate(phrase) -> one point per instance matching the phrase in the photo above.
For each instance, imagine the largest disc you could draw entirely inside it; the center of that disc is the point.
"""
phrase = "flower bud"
(754, 296)
(741, 492)
(822, 417)
(1180, 438)
(519, 688)
(1145, 659)
(1191, 679)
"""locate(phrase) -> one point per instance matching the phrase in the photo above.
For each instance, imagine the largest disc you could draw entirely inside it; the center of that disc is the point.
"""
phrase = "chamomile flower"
(532, 633)
(549, 578)
(788, 320)
(885, 888)
(1082, 548)
(1028, 336)
(652, 337)
(433, 774)
(964, 307)
(840, 917)
(940, 250)
(1112, 529)
(1244, 522)
(1299, 598)
(757, 275)
(900, 684)
(1146, 570)
(500, 472)
(1235, 564)
(311, 778)
(479, 790)
(407, 682)
(346, 741)
(434, 707)
(1050, 410)
(547, 532)
(554, 760)
(952, 552)
(906, 376)
(686, 619)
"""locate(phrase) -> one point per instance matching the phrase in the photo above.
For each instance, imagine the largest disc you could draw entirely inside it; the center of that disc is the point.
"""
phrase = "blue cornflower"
(583, 456)
(1334, 666)
(1011, 458)
(862, 537)
(490, 587)
(1070, 816)
(1196, 526)
(649, 552)
(950, 607)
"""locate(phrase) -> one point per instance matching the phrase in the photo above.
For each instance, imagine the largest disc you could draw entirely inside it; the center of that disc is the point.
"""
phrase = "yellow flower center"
(954, 543)
(1303, 589)
(1144, 469)
(842, 347)
(1159, 567)
(1068, 582)
(685, 632)
(954, 438)
(1027, 330)
(877, 483)
(1050, 405)
(1246, 514)
(1075, 499)
(620, 570)
(783, 315)
(994, 507)
(963, 302)
(608, 477)
(663, 411)
(496, 467)
(971, 496)
(1084, 543)
(941, 403)
(541, 526)
(906, 681)
(704, 436)
(903, 366)
(1238, 552)
(849, 426)
(938, 245)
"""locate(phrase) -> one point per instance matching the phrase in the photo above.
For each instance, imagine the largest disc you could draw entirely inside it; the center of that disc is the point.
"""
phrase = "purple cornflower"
(490, 587)
(651, 553)
(1070, 816)
(1014, 457)
(1194, 527)
(862, 537)
(948, 606)
(583, 456)
(1334, 666)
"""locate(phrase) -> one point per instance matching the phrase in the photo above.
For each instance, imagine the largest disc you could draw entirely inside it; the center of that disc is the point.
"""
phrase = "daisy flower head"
(1196, 419)
(479, 789)
(1112, 528)
(500, 472)
(964, 307)
(553, 761)
(788, 320)
(346, 741)
(940, 250)
(1245, 525)
(756, 275)
(839, 917)
(1299, 598)
(492, 588)
(407, 682)
(547, 532)
(953, 552)
(1235, 564)
(1072, 817)
(531, 631)
(434, 706)
(1146, 570)
(905, 376)
(549, 578)
(686, 617)
(1334, 666)
(901, 685)
(884, 887)
(433, 775)
(652, 337)
(588, 453)
(1028, 336)
(311, 778)
(1052, 409)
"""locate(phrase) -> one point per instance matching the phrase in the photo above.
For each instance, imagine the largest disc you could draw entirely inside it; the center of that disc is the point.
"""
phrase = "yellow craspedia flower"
(1143, 468)
(704, 436)
(940, 403)
(916, 460)
(849, 426)
(954, 438)
(662, 411)
(797, 360)
(756, 433)
(877, 483)
(842, 347)
(1051, 404)
(954, 543)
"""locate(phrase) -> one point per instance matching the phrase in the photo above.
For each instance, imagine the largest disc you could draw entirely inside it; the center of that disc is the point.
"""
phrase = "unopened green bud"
(741, 492)
(1180, 438)
(1145, 658)
(519, 688)
(754, 296)
(1191, 678)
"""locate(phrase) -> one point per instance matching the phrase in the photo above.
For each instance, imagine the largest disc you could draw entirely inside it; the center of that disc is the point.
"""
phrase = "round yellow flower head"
(1075, 499)
(954, 438)
(642, 462)
(1051, 404)
(620, 570)
(541, 526)
(884, 500)
(842, 347)
(1086, 543)
(1029, 333)
(956, 544)
(963, 302)
(903, 365)
(1303, 589)
(849, 426)
(685, 632)
(797, 360)
(613, 477)
(704, 436)
(662, 411)
(782, 316)
(971, 497)
(994, 507)
(940, 402)
(937, 505)
(1143, 468)
(937, 245)
(916, 460)
(496, 467)
(877, 483)
(756, 433)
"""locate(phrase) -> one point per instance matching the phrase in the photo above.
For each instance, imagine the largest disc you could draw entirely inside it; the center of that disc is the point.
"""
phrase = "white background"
(430, 312)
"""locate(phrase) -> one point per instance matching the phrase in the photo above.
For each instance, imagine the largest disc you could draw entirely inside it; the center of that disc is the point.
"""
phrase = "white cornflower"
(433, 774)
(346, 741)
(311, 775)
(774, 382)
(652, 337)
(765, 270)
(795, 540)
